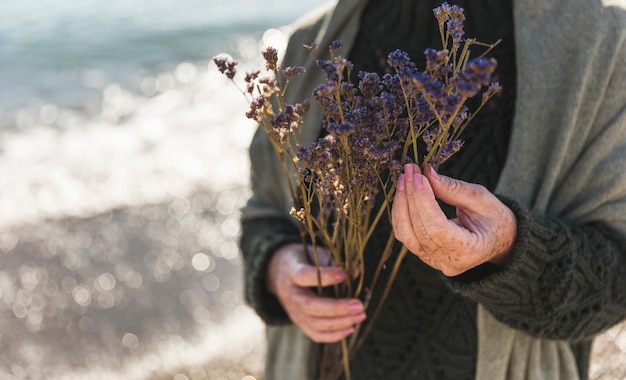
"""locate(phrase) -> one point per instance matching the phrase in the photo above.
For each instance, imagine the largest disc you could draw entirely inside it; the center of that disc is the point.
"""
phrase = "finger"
(456, 192)
(311, 304)
(400, 217)
(424, 211)
(327, 336)
(330, 324)
(307, 276)
(326, 260)
(328, 329)
(323, 257)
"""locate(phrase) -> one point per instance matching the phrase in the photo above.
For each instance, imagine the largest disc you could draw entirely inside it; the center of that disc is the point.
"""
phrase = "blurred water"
(122, 161)
(109, 102)
(65, 52)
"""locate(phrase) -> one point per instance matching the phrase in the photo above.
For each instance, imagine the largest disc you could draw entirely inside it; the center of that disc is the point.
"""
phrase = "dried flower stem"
(335, 182)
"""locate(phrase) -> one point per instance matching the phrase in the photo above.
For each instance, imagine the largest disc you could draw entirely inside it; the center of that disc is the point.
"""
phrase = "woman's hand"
(293, 279)
(484, 230)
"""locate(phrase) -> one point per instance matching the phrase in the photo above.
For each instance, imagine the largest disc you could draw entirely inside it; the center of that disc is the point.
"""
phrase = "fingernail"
(401, 184)
(359, 318)
(340, 276)
(408, 169)
(355, 308)
(434, 173)
(417, 181)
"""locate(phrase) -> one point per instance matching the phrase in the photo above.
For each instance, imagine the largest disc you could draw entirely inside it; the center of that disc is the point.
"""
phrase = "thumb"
(455, 192)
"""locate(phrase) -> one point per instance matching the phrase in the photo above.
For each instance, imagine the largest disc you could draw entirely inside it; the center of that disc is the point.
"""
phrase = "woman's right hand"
(293, 280)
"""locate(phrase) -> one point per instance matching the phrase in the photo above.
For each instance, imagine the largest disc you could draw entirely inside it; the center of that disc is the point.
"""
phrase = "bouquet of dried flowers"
(373, 127)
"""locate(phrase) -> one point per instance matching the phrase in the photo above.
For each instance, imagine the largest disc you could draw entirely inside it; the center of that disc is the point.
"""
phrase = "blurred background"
(122, 168)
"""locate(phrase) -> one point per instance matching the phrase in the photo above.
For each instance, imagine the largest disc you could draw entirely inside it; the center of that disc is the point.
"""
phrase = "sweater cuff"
(499, 287)
(260, 239)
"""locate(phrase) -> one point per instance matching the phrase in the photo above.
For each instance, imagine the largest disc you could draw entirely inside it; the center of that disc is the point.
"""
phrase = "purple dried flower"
(252, 75)
(442, 12)
(455, 28)
(269, 85)
(453, 17)
(399, 59)
(285, 122)
(304, 153)
(482, 65)
(324, 94)
(395, 168)
(392, 84)
(437, 63)
(460, 117)
(329, 69)
(392, 109)
(361, 117)
(405, 74)
(493, 89)
(476, 74)
(312, 47)
(341, 175)
(466, 88)
(305, 174)
(451, 148)
(451, 103)
(271, 58)
(291, 71)
(300, 109)
(334, 46)
(256, 107)
(435, 59)
(482, 68)
(348, 92)
(226, 66)
(423, 112)
(369, 84)
(429, 87)
(342, 64)
(325, 90)
(430, 136)
(338, 129)
(250, 79)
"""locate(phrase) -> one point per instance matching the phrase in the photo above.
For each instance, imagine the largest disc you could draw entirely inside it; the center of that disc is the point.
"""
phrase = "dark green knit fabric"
(427, 331)
(562, 282)
(259, 239)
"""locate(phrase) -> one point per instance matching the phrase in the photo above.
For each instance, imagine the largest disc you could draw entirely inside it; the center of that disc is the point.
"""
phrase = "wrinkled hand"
(484, 230)
(293, 279)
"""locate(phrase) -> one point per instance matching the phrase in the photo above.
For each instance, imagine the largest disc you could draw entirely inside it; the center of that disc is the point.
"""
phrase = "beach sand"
(143, 292)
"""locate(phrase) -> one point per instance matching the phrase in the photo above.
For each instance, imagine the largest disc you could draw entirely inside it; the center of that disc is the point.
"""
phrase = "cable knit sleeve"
(563, 281)
(260, 238)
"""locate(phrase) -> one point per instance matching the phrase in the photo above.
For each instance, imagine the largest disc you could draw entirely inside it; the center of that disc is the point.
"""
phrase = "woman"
(533, 264)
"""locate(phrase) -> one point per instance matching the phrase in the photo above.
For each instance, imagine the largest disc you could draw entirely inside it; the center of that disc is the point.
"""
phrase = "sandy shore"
(129, 293)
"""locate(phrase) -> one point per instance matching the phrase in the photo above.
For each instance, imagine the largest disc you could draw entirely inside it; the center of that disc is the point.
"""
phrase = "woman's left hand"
(484, 230)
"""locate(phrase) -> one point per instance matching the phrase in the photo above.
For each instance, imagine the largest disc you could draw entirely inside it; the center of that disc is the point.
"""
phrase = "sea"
(113, 114)
(101, 96)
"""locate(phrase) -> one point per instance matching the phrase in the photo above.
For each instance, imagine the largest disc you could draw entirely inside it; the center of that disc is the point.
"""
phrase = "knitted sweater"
(428, 326)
